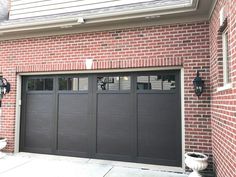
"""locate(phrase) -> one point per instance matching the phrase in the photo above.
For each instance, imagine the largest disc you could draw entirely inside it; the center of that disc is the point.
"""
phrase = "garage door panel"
(34, 102)
(73, 122)
(159, 126)
(37, 140)
(38, 122)
(113, 125)
(72, 142)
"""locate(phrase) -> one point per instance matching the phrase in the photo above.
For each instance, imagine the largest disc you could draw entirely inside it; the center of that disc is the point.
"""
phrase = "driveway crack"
(17, 166)
(108, 171)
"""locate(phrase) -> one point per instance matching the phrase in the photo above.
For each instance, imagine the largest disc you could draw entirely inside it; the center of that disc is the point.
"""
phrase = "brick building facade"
(223, 100)
(208, 120)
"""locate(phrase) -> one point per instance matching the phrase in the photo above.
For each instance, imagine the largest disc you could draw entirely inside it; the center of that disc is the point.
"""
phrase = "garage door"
(133, 117)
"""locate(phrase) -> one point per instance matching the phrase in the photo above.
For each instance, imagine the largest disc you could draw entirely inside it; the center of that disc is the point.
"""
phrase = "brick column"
(7, 129)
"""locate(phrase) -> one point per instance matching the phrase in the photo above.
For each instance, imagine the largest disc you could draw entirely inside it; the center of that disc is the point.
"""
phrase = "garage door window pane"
(155, 82)
(48, 84)
(31, 84)
(169, 82)
(113, 83)
(142, 83)
(62, 83)
(71, 83)
(102, 83)
(83, 83)
(40, 84)
(125, 83)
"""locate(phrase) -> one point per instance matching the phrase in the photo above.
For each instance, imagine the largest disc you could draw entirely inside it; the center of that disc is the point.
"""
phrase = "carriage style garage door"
(133, 117)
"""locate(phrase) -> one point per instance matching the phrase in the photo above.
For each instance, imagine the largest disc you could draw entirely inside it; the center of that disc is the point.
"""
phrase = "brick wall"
(183, 45)
(223, 102)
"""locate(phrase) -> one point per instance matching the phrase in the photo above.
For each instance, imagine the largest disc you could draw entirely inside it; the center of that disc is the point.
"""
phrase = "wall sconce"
(198, 85)
(4, 87)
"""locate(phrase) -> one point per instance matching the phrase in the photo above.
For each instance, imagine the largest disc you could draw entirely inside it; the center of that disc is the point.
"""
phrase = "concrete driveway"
(37, 165)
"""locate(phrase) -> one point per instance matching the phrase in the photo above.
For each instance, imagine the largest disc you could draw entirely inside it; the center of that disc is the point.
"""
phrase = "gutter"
(92, 19)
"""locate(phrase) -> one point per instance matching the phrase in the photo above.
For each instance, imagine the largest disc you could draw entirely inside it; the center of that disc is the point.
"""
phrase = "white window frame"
(225, 47)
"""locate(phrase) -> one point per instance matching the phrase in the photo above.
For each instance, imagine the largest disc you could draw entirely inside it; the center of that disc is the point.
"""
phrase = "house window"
(226, 59)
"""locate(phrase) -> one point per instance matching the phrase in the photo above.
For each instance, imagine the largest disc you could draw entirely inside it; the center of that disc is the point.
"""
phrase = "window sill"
(225, 87)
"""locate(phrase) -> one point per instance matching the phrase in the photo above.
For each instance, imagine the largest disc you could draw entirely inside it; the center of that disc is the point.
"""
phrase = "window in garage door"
(114, 83)
(73, 83)
(40, 84)
(156, 82)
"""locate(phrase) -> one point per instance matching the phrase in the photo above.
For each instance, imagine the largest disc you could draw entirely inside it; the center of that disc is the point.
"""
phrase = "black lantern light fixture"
(4, 87)
(198, 85)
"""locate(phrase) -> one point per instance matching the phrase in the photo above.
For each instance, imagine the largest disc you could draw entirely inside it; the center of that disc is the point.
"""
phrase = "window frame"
(110, 75)
(72, 76)
(39, 77)
(162, 91)
(226, 58)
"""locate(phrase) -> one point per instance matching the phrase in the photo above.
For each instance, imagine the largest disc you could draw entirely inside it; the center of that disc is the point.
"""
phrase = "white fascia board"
(106, 17)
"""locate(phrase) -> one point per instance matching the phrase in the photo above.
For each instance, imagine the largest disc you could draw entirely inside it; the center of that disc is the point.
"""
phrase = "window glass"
(169, 82)
(226, 59)
(49, 84)
(40, 84)
(69, 83)
(142, 83)
(102, 83)
(155, 82)
(62, 83)
(83, 83)
(73, 84)
(31, 84)
(114, 83)
(125, 83)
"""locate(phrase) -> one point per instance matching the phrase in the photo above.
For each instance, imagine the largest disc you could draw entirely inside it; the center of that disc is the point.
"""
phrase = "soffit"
(198, 11)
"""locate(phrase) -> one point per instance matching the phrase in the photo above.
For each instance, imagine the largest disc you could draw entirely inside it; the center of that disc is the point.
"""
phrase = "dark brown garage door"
(132, 117)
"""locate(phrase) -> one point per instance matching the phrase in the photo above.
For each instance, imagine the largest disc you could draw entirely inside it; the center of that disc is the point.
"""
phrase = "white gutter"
(91, 19)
